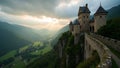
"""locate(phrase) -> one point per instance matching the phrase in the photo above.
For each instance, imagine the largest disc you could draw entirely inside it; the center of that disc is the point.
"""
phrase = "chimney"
(86, 5)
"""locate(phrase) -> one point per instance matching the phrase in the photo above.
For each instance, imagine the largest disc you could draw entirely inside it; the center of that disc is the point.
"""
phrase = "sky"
(47, 14)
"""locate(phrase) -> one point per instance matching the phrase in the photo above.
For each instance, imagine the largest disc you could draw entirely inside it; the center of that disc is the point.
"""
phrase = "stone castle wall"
(100, 21)
(91, 44)
(84, 21)
(108, 41)
(76, 30)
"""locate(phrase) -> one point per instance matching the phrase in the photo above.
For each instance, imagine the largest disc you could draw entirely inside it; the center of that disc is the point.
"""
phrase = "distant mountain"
(59, 33)
(114, 12)
(15, 36)
(62, 30)
(8, 39)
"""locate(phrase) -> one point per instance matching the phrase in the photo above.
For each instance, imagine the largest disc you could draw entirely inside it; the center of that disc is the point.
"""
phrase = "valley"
(24, 55)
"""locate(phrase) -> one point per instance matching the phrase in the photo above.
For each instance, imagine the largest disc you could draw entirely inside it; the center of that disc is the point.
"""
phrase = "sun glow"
(42, 19)
(35, 22)
(45, 22)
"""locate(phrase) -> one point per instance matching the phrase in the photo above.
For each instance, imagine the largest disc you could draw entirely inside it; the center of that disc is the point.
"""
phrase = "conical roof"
(76, 22)
(70, 23)
(101, 10)
(83, 9)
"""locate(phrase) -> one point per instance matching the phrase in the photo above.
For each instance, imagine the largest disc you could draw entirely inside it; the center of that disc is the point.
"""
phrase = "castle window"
(76, 34)
(83, 16)
(84, 22)
(80, 26)
(100, 16)
(87, 16)
(90, 28)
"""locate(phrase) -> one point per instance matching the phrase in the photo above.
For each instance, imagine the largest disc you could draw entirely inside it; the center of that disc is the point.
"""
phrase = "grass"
(42, 51)
(91, 62)
(17, 63)
(115, 52)
(114, 65)
(24, 48)
(8, 55)
(37, 44)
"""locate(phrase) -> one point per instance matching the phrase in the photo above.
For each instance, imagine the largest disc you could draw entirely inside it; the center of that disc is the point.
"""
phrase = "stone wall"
(84, 21)
(91, 44)
(100, 20)
(76, 29)
(108, 41)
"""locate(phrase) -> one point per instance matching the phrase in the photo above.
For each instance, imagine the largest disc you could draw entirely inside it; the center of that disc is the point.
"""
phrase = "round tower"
(100, 18)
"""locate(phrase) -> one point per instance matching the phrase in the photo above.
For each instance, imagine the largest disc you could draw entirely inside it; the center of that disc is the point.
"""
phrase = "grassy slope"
(8, 55)
(43, 51)
(18, 63)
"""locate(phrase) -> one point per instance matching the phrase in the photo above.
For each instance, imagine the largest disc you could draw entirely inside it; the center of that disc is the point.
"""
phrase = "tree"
(111, 29)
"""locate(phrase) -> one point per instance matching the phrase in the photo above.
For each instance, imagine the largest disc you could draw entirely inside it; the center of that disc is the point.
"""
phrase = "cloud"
(52, 8)
(42, 22)
(50, 14)
(30, 7)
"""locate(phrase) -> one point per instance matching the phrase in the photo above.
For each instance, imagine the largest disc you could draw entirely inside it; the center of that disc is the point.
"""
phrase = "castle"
(84, 36)
(84, 24)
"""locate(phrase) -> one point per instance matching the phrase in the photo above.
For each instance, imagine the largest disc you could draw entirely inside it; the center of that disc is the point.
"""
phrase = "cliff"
(69, 54)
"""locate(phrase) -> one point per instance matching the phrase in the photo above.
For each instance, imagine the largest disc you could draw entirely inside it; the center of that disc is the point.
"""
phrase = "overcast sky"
(50, 14)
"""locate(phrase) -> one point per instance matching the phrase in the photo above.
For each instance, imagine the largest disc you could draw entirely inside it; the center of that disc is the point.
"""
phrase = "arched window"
(90, 28)
(80, 26)
(83, 16)
(87, 16)
(84, 22)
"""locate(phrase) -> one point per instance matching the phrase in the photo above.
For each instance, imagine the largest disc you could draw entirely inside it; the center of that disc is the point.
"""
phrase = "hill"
(58, 34)
(15, 36)
(8, 39)
(114, 12)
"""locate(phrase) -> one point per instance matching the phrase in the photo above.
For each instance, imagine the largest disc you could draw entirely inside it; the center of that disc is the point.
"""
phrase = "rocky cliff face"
(69, 53)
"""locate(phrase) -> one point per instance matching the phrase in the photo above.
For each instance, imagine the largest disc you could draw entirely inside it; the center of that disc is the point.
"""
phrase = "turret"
(100, 18)
(71, 26)
(83, 17)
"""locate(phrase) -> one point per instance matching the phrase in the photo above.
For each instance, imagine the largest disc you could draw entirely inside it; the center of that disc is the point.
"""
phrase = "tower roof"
(70, 23)
(83, 9)
(76, 22)
(100, 10)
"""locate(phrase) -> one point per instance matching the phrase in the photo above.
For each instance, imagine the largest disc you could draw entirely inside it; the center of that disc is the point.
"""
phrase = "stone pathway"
(117, 60)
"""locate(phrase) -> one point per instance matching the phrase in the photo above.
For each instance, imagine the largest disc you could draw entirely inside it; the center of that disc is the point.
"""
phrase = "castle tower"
(71, 26)
(100, 18)
(83, 17)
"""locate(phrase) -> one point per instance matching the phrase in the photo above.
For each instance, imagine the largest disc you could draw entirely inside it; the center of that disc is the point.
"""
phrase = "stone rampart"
(108, 41)
(91, 44)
